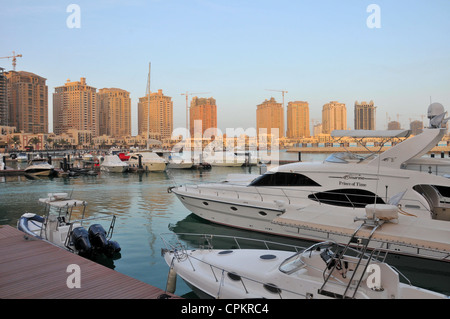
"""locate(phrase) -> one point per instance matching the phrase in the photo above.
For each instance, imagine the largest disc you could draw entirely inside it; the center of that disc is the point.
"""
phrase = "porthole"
(205, 203)
(225, 252)
(267, 257)
(262, 213)
(272, 288)
(233, 208)
(182, 197)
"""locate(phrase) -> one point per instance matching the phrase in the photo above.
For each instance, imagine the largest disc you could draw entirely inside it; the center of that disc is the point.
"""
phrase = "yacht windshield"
(283, 179)
(292, 264)
(344, 158)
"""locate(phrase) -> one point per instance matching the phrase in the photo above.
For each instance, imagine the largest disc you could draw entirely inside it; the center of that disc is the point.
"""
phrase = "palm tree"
(49, 141)
(34, 141)
(14, 140)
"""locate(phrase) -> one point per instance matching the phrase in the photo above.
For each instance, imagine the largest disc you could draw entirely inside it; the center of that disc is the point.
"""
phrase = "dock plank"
(35, 269)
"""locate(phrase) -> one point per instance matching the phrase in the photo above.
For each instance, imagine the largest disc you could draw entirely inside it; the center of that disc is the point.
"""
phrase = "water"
(145, 209)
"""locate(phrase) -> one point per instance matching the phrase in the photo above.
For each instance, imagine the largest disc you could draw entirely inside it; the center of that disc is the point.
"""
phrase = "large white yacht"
(339, 184)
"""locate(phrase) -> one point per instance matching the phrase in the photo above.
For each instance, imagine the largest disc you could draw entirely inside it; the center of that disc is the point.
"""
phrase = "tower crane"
(14, 56)
(282, 92)
(187, 107)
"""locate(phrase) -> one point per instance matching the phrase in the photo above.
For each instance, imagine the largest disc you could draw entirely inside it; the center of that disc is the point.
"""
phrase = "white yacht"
(220, 158)
(336, 185)
(40, 169)
(176, 160)
(322, 271)
(112, 163)
(150, 161)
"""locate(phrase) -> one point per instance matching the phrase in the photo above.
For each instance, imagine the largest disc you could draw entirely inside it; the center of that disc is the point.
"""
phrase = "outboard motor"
(112, 248)
(80, 239)
(97, 237)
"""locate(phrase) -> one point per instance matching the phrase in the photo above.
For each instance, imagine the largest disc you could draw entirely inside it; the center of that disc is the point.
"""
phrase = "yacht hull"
(260, 218)
(114, 169)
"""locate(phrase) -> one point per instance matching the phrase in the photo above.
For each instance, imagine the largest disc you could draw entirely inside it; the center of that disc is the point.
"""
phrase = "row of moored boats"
(355, 210)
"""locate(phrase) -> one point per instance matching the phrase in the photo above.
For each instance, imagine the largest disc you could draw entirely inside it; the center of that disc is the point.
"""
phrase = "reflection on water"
(145, 209)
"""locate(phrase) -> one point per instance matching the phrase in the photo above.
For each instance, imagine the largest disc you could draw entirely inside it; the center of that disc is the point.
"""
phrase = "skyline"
(318, 52)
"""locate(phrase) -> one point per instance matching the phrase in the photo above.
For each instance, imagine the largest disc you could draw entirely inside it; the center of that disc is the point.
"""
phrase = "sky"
(236, 51)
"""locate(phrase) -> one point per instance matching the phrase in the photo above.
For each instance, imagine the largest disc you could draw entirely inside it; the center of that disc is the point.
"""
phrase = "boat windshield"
(292, 264)
(344, 158)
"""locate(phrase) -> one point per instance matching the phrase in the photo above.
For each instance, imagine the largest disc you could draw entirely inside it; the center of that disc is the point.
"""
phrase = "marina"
(145, 209)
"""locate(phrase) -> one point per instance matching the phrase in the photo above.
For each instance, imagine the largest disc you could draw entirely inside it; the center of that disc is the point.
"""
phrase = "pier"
(35, 269)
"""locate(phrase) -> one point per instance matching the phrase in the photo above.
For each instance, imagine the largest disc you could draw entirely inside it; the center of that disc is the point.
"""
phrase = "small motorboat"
(324, 270)
(57, 227)
(112, 163)
(40, 169)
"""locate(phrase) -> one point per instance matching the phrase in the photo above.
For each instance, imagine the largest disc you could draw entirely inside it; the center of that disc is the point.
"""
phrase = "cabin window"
(283, 179)
(347, 197)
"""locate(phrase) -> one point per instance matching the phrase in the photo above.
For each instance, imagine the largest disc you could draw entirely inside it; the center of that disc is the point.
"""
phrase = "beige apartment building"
(114, 112)
(155, 116)
(75, 107)
(334, 117)
(4, 121)
(269, 116)
(27, 98)
(204, 110)
(298, 120)
(365, 116)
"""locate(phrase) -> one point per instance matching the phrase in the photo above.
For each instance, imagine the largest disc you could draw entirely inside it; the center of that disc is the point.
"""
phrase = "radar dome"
(435, 109)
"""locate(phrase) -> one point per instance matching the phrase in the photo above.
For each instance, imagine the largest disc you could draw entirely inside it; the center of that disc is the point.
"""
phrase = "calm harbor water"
(145, 210)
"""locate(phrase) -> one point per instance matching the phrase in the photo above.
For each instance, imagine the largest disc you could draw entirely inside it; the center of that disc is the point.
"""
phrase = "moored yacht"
(337, 184)
(40, 169)
(150, 161)
(324, 270)
(112, 163)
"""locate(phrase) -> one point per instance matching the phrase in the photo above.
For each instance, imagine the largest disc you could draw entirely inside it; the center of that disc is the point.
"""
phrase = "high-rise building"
(75, 107)
(334, 117)
(157, 113)
(27, 102)
(365, 116)
(269, 116)
(3, 99)
(416, 127)
(394, 125)
(205, 110)
(298, 120)
(114, 112)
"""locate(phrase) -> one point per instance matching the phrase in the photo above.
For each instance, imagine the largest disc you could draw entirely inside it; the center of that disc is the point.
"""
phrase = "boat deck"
(35, 269)
(417, 233)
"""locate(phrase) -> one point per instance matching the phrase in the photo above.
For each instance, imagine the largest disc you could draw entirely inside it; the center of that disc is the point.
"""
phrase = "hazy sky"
(318, 51)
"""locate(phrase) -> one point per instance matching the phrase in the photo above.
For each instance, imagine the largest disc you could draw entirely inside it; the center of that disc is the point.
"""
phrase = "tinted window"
(346, 197)
(283, 179)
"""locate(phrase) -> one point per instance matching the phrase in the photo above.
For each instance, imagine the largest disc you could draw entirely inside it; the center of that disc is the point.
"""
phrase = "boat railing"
(292, 196)
(219, 274)
(172, 241)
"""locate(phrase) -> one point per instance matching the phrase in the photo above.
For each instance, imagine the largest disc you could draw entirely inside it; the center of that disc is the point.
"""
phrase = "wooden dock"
(35, 269)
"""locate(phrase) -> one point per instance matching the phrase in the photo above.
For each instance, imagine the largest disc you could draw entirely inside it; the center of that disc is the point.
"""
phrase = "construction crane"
(14, 56)
(282, 92)
(187, 106)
